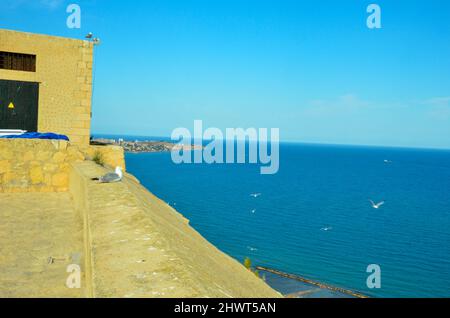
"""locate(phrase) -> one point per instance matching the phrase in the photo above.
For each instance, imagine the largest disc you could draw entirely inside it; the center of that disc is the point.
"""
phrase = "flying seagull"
(255, 195)
(376, 206)
(111, 177)
(89, 35)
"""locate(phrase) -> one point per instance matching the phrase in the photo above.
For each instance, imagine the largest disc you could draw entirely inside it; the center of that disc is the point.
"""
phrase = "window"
(17, 61)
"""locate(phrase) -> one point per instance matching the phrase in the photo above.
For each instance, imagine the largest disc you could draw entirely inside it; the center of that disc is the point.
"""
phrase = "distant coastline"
(144, 146)
(159, 138)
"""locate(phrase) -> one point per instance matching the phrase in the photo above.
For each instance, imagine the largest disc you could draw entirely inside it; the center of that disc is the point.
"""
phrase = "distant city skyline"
(310, 68)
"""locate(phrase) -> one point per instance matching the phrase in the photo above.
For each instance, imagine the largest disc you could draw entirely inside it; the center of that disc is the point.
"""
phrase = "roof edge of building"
(45, 35)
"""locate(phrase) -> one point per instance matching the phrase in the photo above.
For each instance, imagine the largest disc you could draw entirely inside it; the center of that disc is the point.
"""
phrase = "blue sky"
(311, 68)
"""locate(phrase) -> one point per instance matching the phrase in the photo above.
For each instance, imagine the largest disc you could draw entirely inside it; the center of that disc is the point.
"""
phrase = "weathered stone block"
(60, 180)
(59, 157)
(64, 167)
(43, 155)
(5, 166)
(28, 156)
(6, 154)
(8, 177)
(36, 175)
(50, 167)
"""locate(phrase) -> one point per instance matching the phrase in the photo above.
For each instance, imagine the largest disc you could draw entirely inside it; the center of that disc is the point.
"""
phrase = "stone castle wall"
(64, 74)
(136, 245)
(36, 165)
(112, 156)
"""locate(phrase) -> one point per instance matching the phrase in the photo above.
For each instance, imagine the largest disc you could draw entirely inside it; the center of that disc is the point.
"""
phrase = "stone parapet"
(36, 165)
(109, 155)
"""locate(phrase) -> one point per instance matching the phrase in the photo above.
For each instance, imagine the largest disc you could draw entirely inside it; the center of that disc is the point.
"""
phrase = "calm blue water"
(317, 187)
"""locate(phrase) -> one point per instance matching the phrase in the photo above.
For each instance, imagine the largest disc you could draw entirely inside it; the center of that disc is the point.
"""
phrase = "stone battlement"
(39, 165)
(35, 165)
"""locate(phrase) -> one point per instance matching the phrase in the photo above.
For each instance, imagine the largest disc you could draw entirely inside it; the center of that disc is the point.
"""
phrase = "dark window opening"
(17, 61)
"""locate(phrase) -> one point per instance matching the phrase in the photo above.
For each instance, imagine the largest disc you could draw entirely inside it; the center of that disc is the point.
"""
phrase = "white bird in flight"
(377, 205)
(255, 195)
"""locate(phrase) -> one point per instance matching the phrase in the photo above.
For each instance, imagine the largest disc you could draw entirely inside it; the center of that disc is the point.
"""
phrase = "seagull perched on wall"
(111, 177)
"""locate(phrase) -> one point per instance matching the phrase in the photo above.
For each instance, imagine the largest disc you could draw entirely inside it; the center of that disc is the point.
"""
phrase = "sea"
(314, 218)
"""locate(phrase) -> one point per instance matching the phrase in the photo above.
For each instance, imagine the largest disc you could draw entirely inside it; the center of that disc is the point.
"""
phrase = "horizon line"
(303, 142)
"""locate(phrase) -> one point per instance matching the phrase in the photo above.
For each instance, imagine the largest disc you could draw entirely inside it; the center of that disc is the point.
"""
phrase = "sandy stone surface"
(34, 227)
(128, 243)
(141, 247)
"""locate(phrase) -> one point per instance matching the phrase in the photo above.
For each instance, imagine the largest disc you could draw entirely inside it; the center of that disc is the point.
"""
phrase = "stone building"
(46, 84)
(57, 222)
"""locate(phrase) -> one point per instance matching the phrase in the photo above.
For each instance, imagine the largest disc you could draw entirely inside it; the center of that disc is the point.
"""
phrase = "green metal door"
(19, 105)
